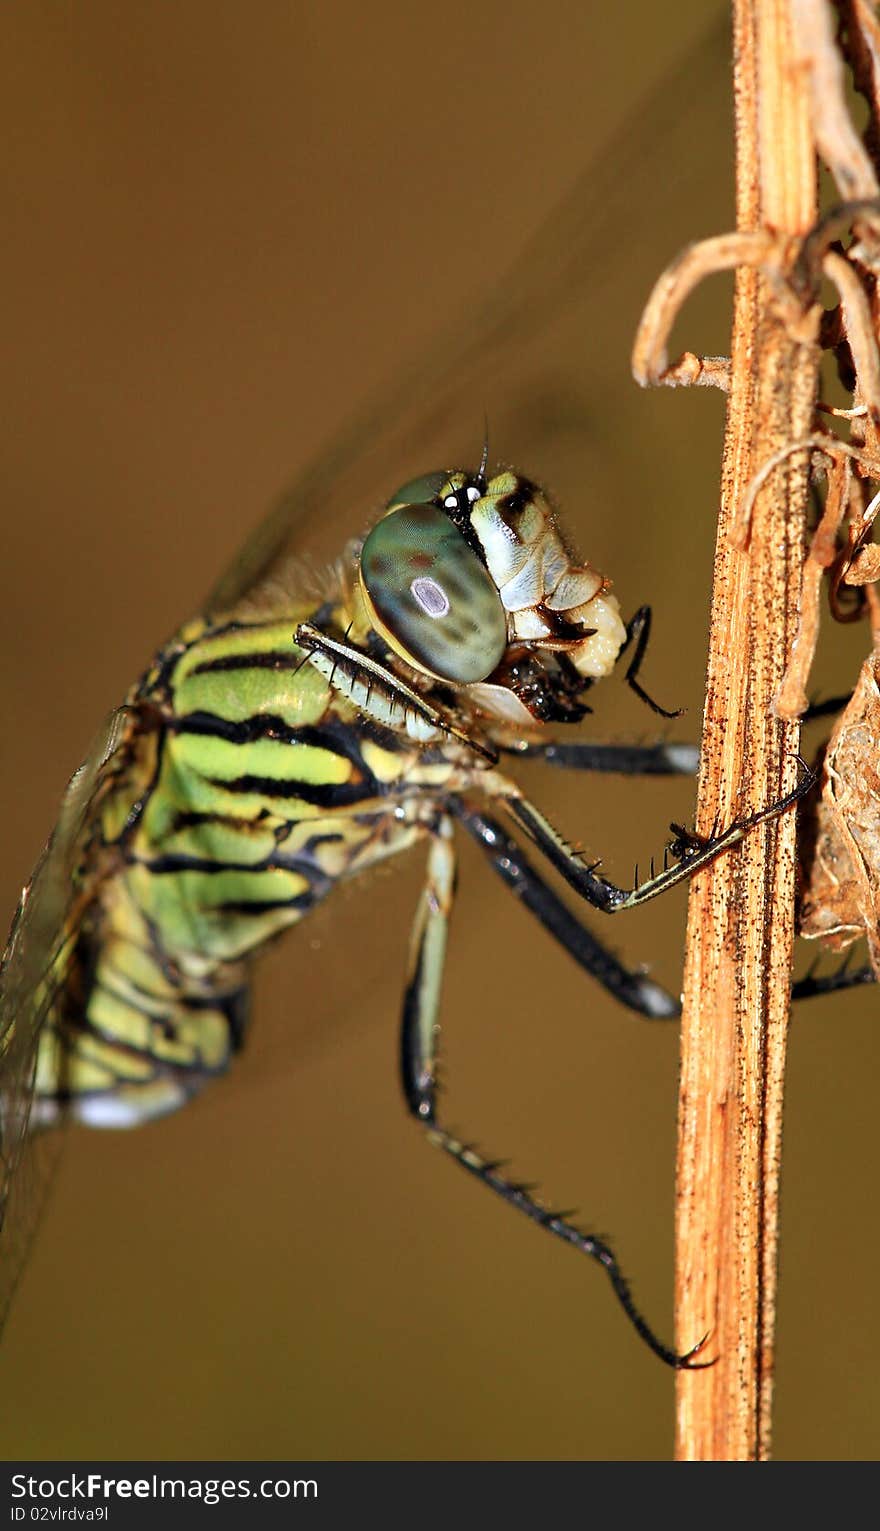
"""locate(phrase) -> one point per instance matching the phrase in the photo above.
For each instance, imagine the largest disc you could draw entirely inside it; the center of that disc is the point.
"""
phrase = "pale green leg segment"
(427, 955)
(418, 1056)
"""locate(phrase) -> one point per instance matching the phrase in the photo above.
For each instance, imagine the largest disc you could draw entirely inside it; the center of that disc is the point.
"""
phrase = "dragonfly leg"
(815, 984)
(419, 1079)
(620, 759)
(638, 631)
(380, 694)
(634, 989)
(689, 852)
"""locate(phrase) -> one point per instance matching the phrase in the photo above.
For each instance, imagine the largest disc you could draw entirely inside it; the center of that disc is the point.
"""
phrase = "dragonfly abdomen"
(129, 1036)
(238, 812)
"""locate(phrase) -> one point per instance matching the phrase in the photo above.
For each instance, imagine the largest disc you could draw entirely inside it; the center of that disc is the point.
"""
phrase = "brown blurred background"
(227, 227)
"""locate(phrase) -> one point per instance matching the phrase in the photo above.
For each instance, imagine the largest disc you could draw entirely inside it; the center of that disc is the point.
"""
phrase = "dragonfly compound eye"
(430, 597)
(424, 490)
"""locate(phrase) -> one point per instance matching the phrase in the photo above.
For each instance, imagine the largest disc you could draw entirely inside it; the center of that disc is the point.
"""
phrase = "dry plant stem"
(741, 915)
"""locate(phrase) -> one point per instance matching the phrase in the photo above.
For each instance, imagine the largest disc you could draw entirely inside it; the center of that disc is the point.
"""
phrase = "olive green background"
(226, 227)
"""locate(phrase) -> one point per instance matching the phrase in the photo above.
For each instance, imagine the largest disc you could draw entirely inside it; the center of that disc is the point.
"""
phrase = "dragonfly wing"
(523, 358)
(535, 360)
(32, 971)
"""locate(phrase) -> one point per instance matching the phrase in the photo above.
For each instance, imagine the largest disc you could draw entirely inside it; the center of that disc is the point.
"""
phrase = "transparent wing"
(33, 968)
(531, 362)
(543, 362)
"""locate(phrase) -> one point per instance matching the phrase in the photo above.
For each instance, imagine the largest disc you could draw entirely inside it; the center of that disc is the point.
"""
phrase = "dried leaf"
(865, 567)
(841, 900)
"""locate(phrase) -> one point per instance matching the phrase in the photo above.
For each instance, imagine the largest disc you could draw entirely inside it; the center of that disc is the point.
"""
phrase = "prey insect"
(278, 745)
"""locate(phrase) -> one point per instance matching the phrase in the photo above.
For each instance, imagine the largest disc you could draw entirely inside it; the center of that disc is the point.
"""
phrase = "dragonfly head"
(468, 580)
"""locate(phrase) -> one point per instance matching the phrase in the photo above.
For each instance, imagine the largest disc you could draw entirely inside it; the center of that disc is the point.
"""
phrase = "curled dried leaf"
(865, 566)
(840, 901)
(791, 699)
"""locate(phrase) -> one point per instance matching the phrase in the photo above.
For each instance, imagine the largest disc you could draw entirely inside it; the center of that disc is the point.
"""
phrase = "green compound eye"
(429, 595)
(419, 491)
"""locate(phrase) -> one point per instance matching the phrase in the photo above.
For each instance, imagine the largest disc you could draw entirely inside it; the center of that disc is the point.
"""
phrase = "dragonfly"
(286, 739)
(275, 747)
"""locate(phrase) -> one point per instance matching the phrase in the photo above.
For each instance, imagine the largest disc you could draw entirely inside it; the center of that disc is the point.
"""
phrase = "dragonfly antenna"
(485, 457)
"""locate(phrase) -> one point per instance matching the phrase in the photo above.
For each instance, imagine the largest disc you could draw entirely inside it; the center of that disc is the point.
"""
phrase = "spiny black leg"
(622, 759)
(509, 860)
(418, 1072)
(586, 1243)
(814, 984)
(690, 852)
(638, 629)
